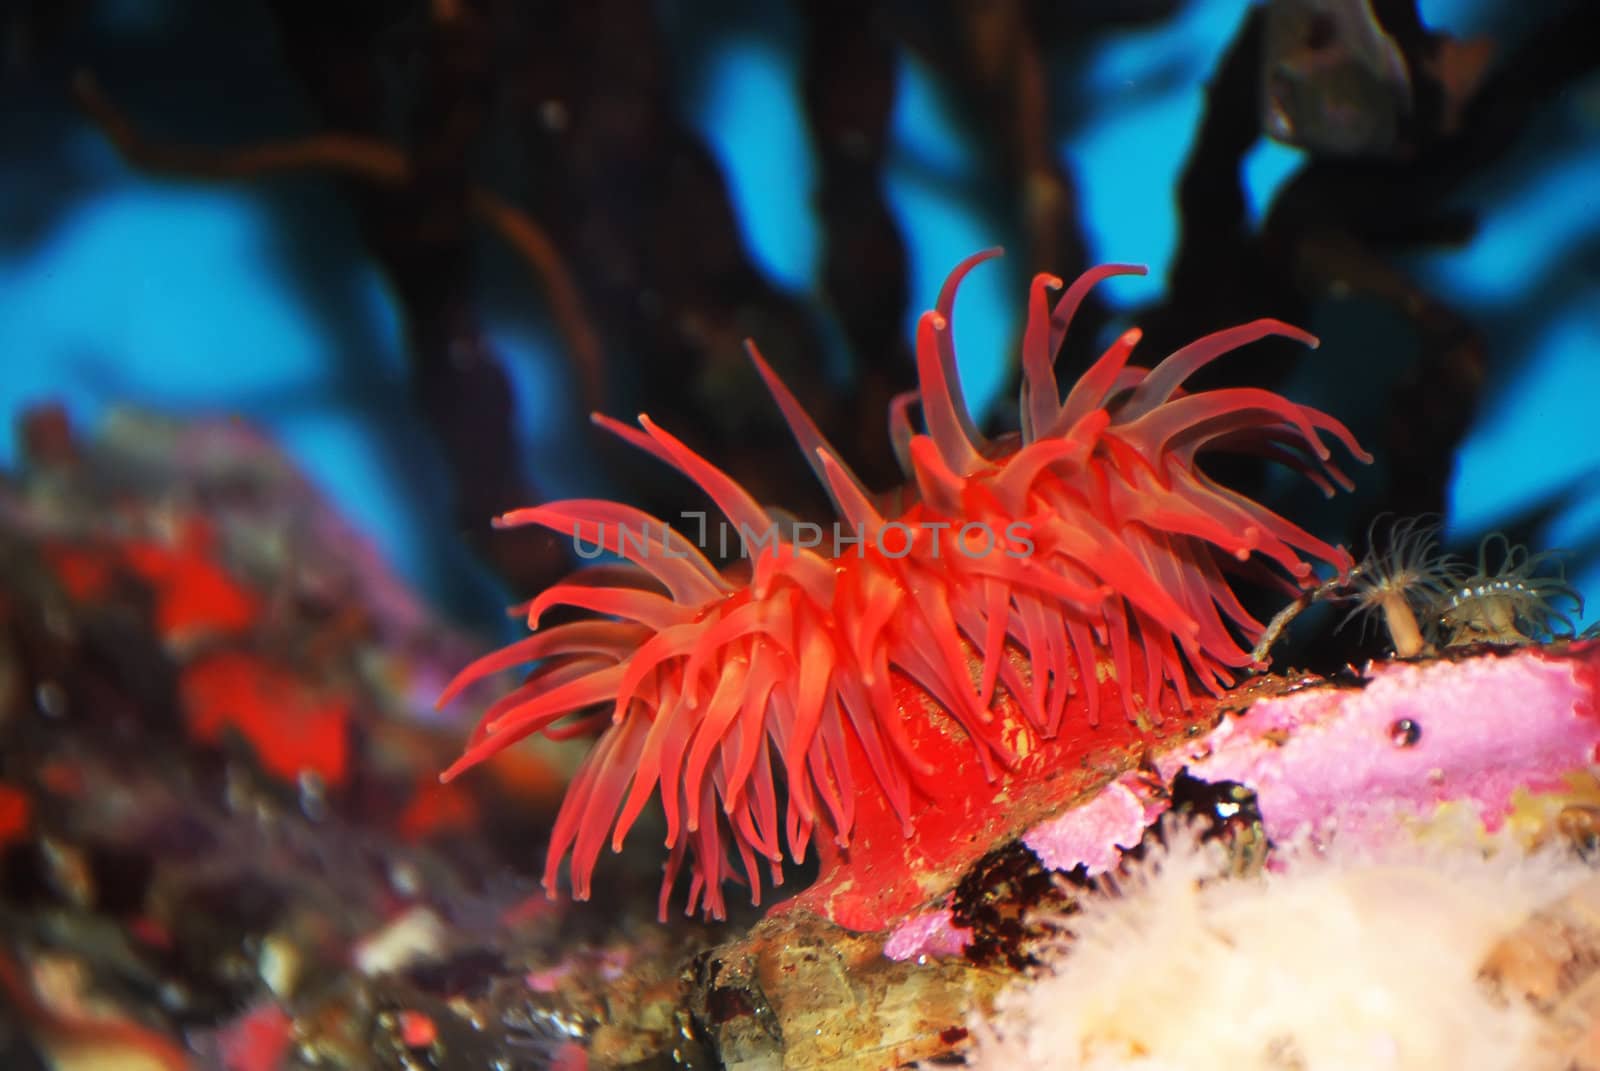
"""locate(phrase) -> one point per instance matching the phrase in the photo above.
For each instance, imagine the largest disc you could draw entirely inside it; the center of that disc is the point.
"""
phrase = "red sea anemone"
(1090, 544)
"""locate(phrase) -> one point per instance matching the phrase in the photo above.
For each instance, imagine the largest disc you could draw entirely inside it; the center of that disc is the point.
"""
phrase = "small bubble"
(404, 879)
(1405, 733)
(174, 996)
(313, 795)
(554, 115)
(51, 699)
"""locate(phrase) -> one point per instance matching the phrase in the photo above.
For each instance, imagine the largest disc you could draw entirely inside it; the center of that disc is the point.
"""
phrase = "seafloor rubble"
(223, 843)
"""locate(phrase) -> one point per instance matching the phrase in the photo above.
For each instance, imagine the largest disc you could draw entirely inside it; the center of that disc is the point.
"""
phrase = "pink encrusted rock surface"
(1094, 834)
(1412, 737)
(928, 933)
(1355, 759)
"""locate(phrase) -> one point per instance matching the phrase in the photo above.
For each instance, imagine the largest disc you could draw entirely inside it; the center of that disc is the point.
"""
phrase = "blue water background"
(257, 299)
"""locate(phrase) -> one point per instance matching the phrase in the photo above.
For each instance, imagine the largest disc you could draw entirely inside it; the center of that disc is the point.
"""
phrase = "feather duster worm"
(1090, 543)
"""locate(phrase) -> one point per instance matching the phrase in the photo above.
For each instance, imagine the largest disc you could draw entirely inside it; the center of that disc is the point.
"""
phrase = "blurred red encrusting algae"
(1090, 547)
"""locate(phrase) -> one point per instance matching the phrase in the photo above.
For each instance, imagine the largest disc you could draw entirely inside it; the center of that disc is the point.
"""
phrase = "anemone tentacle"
(1091, 537)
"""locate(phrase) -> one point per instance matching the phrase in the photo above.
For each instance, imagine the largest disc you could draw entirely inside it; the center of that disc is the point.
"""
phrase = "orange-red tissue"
(1016, 591)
